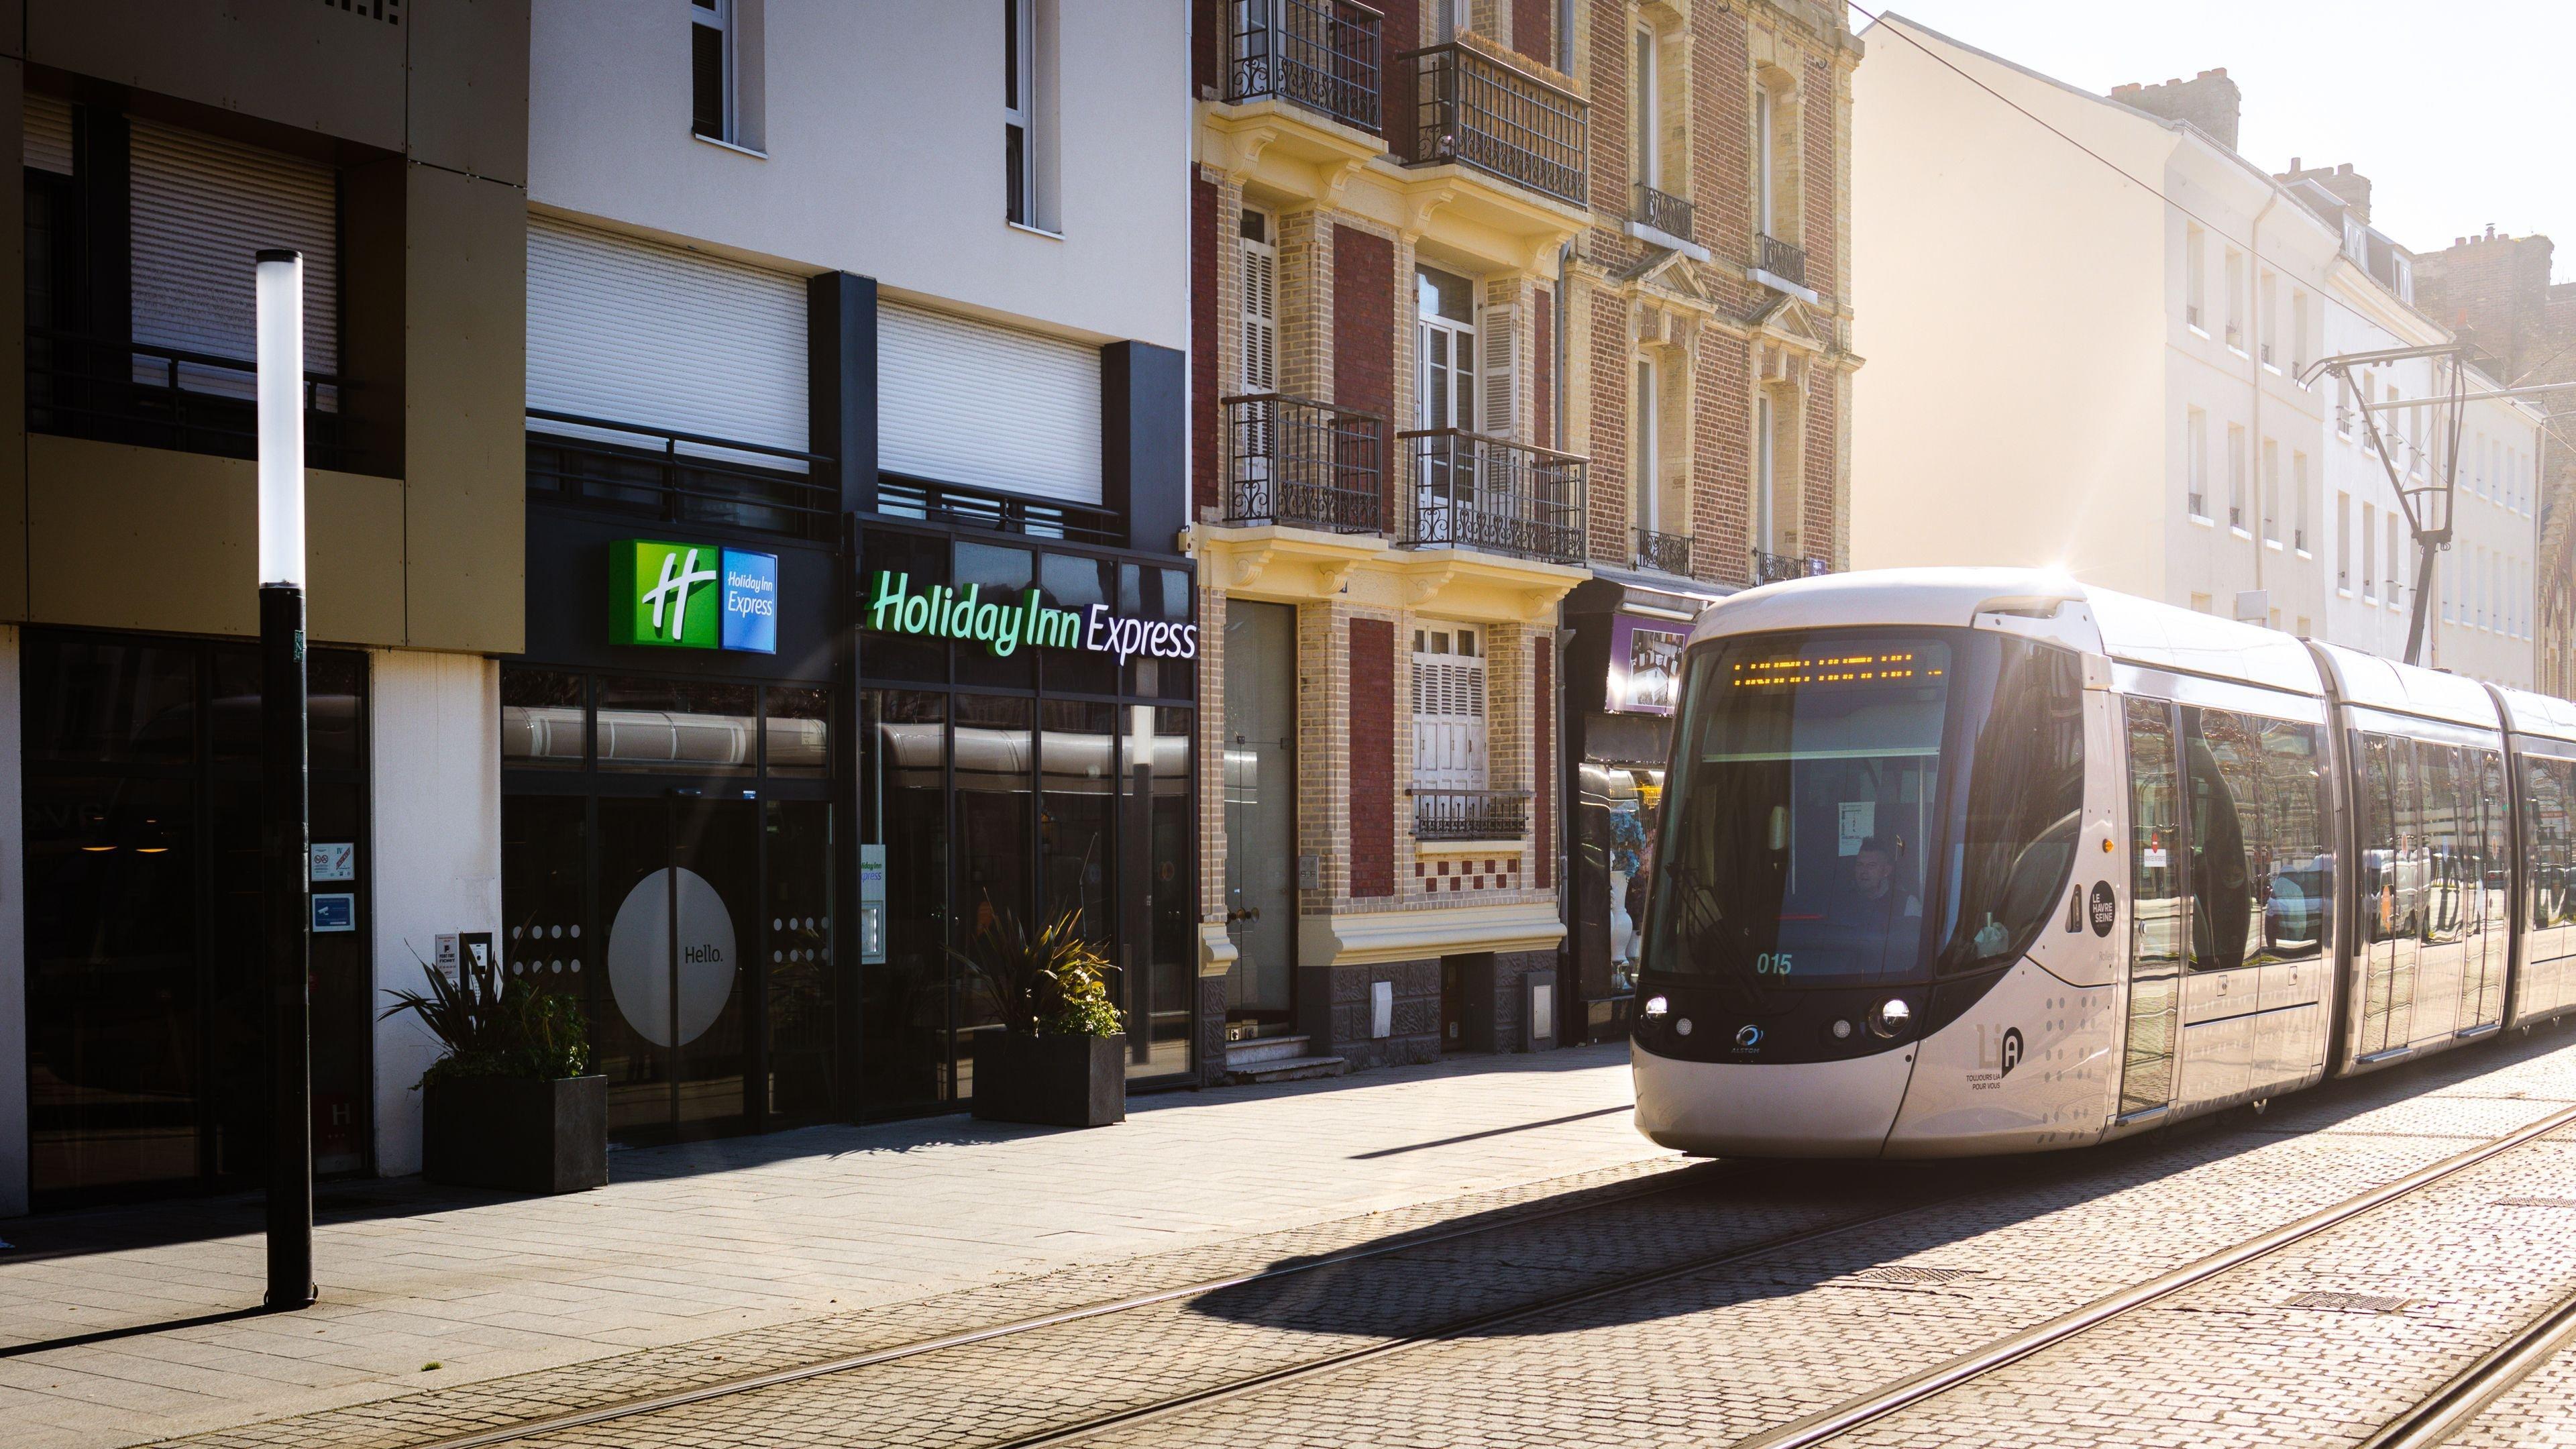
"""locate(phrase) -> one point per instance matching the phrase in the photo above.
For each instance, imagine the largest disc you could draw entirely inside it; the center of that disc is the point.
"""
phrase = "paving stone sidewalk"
(693, 1241)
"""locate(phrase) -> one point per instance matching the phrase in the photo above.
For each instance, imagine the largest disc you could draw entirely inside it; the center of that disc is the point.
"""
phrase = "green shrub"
(491, 1026)
(1054, 983)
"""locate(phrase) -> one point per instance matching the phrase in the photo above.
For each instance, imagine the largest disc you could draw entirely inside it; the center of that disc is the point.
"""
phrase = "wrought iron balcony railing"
(117, 391)
(677, 477)
(1772, 568)
(1319, 54)
(1296, 461)
(1492, 495)
(1782, 260)
(1470, 814)
(1471, 108)
(1664, 552)
(1665, 213)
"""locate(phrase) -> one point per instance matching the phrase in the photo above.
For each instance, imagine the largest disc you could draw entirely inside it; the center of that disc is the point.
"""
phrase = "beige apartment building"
(1443, 251)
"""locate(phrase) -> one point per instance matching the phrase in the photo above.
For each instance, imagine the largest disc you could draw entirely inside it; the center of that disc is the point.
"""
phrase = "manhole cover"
(2348, 1302)
(2565, 1202)
(1914, 1275)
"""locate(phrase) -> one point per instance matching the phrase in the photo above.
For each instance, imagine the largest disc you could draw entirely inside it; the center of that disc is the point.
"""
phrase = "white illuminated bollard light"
(280, 290)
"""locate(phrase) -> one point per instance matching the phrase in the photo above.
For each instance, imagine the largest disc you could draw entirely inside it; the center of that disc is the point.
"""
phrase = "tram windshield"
(1851, 807)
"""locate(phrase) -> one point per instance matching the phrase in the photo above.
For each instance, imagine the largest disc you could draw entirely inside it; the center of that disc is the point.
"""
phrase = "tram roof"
(2123, 626)
(2539, 714)
(2367, 679)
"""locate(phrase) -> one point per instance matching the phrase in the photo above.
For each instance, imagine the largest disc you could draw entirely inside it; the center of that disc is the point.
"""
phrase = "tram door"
(2392, 891)
(2156, 925)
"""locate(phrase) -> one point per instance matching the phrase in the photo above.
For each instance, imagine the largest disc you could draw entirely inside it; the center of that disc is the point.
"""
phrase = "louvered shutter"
(1260, 369)
(203, 207)
(1448, 721)
(1494, 408)
(49, 134)
(967, 402)
(655, 337)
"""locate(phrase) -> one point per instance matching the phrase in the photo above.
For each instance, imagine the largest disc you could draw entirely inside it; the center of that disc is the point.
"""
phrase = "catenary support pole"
(285, 865)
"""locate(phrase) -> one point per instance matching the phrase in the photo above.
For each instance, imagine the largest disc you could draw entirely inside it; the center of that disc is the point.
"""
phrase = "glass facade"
(147, 1051)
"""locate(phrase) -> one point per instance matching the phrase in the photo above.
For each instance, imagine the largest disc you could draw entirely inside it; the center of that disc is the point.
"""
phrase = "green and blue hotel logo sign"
(692, 596)
(1003, 624)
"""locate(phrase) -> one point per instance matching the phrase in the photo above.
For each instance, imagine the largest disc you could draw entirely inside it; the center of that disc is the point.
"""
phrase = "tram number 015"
(1771, 963)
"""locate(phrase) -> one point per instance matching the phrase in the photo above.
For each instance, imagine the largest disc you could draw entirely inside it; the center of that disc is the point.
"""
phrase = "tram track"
(1082, 1426)
(1677, 1180)
(2437, 1417)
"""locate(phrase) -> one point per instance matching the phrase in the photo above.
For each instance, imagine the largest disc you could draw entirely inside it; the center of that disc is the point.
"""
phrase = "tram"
(1967, 861)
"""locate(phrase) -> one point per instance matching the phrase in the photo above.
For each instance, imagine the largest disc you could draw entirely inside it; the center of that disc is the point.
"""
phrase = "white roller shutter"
(203, 206)
(988, 407)
(635, 332)
(49, 134)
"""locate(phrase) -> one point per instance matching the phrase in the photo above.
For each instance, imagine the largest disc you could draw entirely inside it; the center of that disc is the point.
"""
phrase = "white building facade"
(2139, 342)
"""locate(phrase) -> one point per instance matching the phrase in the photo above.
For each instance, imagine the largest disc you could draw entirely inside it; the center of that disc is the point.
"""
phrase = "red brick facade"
(1543, 756)
(1363, 333)
(1372, 727)
(1205, 430)
(1534, 30)
(1543, 367)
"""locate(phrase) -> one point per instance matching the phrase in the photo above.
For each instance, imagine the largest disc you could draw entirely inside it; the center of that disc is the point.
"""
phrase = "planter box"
(514, 1133)
(1055, 1081)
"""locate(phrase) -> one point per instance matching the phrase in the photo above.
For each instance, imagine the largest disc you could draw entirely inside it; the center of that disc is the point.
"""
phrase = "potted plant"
(508, 1104)
(1061, 1059)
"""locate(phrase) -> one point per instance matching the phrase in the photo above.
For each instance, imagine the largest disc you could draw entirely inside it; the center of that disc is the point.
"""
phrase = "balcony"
(1440, 815)
(1782, 260)
(674, 477)
(1667, 214)
(950, 503)
(1774, 568)
(1476, 110)
(1492, 495)
(1664, 552)
(1318, 54)
(1308, 464)
(114, 391)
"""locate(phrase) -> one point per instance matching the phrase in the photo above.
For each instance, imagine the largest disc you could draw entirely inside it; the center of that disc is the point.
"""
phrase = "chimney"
(2209, 100)
(2349, 186)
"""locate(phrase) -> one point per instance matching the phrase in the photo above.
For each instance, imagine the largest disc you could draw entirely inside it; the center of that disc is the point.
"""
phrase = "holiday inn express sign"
(692, 596)
(1003, 625)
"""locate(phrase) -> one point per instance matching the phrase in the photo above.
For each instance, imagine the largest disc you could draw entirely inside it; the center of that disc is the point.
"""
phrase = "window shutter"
(203, 207)
(636, 332)
(49, 134)
(1260, 366)
(1495, 334)
(967, 402)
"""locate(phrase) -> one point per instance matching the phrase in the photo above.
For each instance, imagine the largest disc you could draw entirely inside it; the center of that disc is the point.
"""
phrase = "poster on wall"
(1645, 665)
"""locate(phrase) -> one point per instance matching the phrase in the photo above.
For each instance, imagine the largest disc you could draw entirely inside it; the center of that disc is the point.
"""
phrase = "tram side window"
(2298, 873)
(2446, 863)
(2392, 840)
(2222, 770)
(2549, 792)
(2155, 890)
(2494, 908)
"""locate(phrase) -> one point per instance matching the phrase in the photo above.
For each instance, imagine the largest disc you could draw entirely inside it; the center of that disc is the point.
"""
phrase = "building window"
(2195, 296)
(2196, 462)
(2343, 542)
(2236, 478)
(1645, 472)
(2369, 553)
(1766, 484)
(1448, 708)
(2271, 492)
(1645, 96)
(2299, 502)
(1028, 98)
(2268, 321)
(711, 69)
(2236, 299)
(1259, 368)
(2396, 554)
(2298, 332)
(1445, 352)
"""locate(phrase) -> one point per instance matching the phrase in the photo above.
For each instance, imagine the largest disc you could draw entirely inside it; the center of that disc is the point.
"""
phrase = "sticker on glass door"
(640, 957)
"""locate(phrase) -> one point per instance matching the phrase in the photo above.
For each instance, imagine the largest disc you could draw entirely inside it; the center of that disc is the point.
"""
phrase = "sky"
(2458, 111)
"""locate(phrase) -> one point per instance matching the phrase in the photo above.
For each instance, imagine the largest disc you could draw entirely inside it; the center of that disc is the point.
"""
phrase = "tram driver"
(1878, 910)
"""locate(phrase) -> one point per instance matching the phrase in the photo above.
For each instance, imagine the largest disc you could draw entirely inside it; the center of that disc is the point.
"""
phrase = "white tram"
(1958, 861)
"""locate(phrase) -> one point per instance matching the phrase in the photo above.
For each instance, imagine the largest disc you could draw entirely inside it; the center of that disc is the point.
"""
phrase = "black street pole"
(285, 823)
(286, 886)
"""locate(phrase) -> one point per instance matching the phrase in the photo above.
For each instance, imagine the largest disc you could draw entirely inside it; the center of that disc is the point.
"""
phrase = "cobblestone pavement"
(1739, 1348)
(791, 1232)
(2538, 1413)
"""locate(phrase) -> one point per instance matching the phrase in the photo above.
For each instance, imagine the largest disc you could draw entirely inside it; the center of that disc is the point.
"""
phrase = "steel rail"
(1672, 1181)
(2449, 1408)
(1933, 1382)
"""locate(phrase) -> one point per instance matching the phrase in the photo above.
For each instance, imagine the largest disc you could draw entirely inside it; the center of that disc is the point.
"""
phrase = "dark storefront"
(146, 1008)
(1623, 655)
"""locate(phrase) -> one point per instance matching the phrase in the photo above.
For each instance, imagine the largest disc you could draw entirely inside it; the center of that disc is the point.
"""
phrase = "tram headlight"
(1891, 1017)
(1657, 1006)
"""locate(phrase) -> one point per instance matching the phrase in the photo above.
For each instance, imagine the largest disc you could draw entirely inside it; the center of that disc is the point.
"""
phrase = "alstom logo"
(692, 596)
